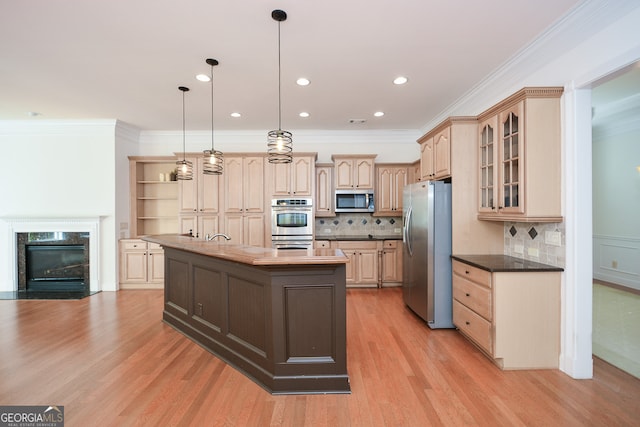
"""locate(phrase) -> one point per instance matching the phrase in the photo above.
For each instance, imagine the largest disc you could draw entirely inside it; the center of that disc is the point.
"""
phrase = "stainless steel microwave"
(354, 201)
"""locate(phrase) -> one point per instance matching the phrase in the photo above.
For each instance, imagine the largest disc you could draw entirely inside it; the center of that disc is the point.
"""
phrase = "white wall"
(59, 169)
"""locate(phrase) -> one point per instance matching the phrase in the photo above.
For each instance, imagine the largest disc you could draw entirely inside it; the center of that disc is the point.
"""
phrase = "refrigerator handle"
(407, 232)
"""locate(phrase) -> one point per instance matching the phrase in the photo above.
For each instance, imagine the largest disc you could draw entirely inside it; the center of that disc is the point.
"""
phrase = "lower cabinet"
(392, 263)
(362, 268)
(141, 265)
(513, 317)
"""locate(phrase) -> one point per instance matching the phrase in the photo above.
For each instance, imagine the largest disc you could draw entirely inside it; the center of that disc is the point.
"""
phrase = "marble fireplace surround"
(29, 225)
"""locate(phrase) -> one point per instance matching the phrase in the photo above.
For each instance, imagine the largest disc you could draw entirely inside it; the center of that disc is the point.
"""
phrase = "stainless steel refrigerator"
(426, 210)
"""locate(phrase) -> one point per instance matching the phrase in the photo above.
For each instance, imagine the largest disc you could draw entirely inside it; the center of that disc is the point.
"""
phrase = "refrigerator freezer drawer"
(473, 326)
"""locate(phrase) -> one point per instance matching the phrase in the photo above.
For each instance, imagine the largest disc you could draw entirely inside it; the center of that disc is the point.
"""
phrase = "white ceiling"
(124, 59)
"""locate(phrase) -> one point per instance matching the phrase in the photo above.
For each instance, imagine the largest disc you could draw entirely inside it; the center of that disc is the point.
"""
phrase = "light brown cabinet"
(514, 317)
(324, 190)
(520, 158)
(362, 268)
(141, 265)
(435, 154)
(321, 244)
(390, 182)
(153, 196)
(353, 172)
(244, 200)
(295, 179)
(199, 201)
(392, 263)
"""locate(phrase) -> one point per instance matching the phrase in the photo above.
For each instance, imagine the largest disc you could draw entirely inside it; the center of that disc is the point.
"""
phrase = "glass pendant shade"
(213, 161)
(184, 168)
(279, 142)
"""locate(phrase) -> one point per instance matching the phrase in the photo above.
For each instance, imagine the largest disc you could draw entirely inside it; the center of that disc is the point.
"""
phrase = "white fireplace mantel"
(13, 226)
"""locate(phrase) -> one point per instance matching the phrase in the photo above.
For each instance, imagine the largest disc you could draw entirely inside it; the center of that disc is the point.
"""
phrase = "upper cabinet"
(435, 154)
(353, 172)
(519, 158)
(324, 190)
(199, 201)
(154, 196)
(244, 184)
(390, 182)
(293, 179)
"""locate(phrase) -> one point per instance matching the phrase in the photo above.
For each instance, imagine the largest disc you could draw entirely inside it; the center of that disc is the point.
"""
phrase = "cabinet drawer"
(470, 272)
(390, 244)
(474, 296)
(134, 244)
(154, 246)
(473, 326)
(321, 244)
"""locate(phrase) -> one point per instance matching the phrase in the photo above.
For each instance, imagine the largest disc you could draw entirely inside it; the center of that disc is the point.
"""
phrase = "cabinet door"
(155, 267)
(488, 170)
(385, 190)
(400, 179)
(426, 160)
(442, 153)
(302, 176)
(188, 224)
(511, 159)
(208, 192)
(367, 266)
(188, 190)
(344, 174)
(324, 191)
(281, 179)
(253, 184)
(207, 224)
(233, 185)
(391, 262)
(134, 269)
(350, 270)
(364, 169)
(253, 232)
(234, 227)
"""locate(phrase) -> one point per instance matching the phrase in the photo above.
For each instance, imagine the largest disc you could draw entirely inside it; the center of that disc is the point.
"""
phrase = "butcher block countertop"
(504, 263)
(250, 255)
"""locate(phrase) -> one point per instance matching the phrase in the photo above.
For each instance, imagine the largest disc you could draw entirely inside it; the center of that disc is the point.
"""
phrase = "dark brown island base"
(278, 316)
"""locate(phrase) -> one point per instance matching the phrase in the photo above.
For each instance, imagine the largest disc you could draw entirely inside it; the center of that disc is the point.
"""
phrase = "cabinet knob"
(467, 322)
(466, 272)
(467, 294)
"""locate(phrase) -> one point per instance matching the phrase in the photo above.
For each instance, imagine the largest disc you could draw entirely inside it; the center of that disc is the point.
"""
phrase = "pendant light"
(212, 164)
(184, 167)
(280, 142)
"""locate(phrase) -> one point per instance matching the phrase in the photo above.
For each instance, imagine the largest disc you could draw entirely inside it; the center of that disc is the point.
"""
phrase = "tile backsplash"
(540, 242)
(350, 224)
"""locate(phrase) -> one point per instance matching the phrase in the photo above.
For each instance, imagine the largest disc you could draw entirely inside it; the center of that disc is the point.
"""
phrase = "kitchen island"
(278, 316)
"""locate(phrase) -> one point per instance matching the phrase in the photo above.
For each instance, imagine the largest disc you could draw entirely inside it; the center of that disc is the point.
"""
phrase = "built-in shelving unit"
(154, 196)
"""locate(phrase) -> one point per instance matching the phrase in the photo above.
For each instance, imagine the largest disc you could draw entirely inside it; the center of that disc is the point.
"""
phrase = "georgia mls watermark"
(32, 416)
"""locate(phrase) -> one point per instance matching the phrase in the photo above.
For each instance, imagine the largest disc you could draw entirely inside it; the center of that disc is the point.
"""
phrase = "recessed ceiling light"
(304, 114)
(378, 113)
(303, 82)
(236, 115)
(203, 78)
(400, 80)
(33, 114)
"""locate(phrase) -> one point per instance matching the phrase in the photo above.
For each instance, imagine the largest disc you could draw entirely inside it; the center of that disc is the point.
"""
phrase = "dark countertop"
(504, 263)
(360, 237)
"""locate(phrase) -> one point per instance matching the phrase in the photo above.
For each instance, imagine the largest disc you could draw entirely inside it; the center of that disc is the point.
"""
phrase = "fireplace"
(53, 261)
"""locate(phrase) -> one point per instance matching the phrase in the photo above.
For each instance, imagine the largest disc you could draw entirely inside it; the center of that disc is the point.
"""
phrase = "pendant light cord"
(279, 84)
(184, 144)
(212, 150)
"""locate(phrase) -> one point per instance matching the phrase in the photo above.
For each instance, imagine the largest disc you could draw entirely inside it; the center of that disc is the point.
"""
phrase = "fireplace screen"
(59, 266)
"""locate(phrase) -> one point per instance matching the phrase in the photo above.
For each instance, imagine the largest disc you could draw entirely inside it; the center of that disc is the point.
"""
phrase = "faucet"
(213, 236)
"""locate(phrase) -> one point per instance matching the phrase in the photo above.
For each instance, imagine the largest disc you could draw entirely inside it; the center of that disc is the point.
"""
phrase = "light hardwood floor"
(111, 361)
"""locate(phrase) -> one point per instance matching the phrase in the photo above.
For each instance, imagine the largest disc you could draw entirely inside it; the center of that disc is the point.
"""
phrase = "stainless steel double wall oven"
(292, 223)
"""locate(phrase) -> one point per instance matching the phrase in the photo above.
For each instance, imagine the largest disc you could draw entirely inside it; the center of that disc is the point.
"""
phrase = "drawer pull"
(467, 294)
(466, 272)
(467, 322)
